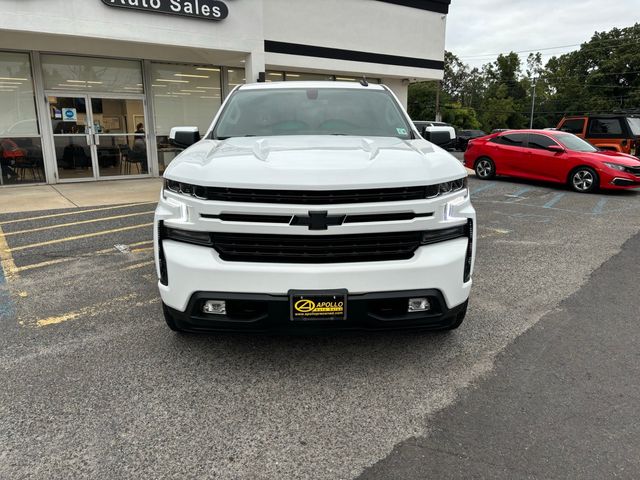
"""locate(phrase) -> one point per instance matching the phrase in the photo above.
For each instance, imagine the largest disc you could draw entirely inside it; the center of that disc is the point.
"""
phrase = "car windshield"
(634, 124)
(311, 111)
(571, 142)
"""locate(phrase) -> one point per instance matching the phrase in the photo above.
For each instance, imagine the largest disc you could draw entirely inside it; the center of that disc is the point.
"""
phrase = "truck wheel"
(459, 318)
(485, 168)
(584, 180)
(171, 323)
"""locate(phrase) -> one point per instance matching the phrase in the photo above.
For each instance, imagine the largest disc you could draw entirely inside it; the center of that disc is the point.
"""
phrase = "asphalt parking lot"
(93, 384)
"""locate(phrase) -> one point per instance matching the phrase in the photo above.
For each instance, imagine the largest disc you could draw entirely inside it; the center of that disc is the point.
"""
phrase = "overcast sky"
(479, 27)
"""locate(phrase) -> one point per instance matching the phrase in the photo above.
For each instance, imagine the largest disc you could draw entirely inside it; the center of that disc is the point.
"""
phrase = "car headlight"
(186, 189)
(615, 166)
(445, 188)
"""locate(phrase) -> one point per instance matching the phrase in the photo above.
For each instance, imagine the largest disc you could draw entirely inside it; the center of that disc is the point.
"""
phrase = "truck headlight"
(186, 189)
(445, 188)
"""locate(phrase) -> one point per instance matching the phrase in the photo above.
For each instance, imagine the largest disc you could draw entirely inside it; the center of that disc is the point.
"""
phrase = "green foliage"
(603, 75)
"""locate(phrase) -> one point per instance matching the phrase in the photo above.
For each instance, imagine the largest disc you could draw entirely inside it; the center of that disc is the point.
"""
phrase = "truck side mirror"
(184, 137)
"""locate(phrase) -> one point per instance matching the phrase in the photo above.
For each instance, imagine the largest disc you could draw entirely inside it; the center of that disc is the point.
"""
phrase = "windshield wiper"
(234, 136)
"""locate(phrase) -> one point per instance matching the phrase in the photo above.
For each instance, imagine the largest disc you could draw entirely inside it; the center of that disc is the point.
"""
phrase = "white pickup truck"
(313, 206)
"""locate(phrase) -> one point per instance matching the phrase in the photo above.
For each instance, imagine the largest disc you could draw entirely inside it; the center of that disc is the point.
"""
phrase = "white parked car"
(310, 206)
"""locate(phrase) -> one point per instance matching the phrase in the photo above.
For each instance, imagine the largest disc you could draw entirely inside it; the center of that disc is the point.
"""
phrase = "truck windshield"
(311, 111)
(571, 142)
(634, 123)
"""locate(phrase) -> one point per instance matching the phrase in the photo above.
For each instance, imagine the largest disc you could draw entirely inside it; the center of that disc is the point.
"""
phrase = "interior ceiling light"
(171, 80)
(190, 75)
(16, 79)
(203, 69)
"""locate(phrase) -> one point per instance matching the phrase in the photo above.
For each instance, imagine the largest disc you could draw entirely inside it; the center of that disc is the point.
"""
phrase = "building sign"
(207, 9)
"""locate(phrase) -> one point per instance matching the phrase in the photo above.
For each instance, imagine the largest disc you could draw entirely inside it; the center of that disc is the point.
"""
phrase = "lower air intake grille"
(316, 249)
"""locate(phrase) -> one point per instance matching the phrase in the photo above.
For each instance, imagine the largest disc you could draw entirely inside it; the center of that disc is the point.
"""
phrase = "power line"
(587, 44)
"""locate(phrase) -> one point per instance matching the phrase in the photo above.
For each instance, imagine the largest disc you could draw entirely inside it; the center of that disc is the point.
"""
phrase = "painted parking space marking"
(88, 311)
(483, 188)
(75, 212)
(137, 266)
(79, 237)
(68, 259)
(556, 198)
(520, 192)
(599, 208)
(7, 265)
(81, 222)
(130, 300)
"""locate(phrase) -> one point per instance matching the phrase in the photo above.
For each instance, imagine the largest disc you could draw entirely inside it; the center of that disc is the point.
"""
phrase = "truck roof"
(312, 84)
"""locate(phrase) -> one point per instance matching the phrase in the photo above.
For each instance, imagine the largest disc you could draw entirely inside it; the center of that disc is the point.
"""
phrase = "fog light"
(215, 307)
(419, 305)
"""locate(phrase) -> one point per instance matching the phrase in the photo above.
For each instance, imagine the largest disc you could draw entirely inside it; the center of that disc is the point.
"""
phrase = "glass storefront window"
(183, 95)
(275, 77)
(21, 158)
(301, 76)
(235, 77)
(88, 74)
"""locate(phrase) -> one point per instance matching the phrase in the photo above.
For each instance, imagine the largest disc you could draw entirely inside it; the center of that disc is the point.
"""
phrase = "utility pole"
(533, 103)
(438, 115)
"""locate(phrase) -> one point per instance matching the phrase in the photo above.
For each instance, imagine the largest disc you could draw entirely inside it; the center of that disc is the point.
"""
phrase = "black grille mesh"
(316, 248)
(310, 197)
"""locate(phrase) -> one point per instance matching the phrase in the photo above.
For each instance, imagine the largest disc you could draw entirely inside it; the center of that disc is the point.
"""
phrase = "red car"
(552, 156)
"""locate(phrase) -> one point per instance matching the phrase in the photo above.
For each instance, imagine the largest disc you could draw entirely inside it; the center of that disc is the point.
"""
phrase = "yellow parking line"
(76, 212)
(90, 311)
(79, 237)
(137, 265)
(140, 250)
(93, 310)
(68, 259)
(49, 227)
(6, 260)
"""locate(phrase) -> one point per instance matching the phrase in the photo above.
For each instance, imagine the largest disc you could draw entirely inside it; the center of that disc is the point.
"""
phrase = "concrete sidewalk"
(73, 195)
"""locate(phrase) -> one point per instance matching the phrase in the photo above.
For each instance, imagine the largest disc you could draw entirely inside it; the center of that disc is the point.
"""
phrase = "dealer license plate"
(322, 305)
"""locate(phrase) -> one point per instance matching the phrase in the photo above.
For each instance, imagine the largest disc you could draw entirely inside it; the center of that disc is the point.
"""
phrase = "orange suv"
(620, 133)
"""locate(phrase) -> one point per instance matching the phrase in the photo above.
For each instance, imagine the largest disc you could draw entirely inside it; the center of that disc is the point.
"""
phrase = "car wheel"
(584, 180)
(485, 168)
(171, 323)
(459, 318)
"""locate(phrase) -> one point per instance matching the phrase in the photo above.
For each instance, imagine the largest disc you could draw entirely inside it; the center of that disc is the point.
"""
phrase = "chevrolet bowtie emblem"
(318, 220)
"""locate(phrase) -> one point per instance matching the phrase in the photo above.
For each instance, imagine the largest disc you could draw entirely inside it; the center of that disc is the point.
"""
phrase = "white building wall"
(357, 25)
(90, 27)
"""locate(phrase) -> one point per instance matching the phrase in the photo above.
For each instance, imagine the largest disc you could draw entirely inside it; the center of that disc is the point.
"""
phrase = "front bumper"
(192, 268)
(260, 313)
(190, 271)
(615, 180)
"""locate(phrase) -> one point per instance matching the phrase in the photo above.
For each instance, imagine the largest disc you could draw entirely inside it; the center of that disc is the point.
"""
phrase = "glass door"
(118, 125)
(70, 122)
(96, 136)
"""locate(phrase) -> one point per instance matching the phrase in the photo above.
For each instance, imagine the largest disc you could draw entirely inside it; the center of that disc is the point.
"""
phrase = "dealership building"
(89, 89)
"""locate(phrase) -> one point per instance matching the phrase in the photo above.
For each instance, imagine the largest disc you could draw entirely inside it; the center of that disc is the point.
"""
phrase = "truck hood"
(314, 162)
